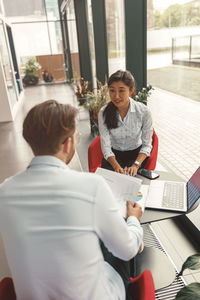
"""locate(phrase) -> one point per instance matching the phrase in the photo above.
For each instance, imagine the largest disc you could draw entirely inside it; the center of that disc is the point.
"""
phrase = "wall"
(53, 64)
(162, 38)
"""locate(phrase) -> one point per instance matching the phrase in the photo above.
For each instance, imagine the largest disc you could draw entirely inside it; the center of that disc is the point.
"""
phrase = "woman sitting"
(125, 127)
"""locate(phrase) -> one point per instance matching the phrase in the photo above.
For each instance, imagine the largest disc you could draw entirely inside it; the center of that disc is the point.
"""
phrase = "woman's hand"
(119, 169)
(115, 165)
(131, 170)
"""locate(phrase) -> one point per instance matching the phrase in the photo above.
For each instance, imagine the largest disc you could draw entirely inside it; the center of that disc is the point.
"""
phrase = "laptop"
(173, 195)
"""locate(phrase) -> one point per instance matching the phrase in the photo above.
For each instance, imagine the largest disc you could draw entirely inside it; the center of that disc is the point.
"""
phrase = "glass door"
(7, 66)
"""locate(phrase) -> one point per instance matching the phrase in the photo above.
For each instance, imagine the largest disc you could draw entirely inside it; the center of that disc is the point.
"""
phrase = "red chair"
(7, 290)
(142, 287)
(95, 154)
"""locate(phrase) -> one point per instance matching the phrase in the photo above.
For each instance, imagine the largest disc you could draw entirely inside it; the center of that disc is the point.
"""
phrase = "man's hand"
(134, 210)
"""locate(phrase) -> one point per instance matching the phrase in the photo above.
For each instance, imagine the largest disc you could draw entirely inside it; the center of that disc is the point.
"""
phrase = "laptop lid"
(193, 189)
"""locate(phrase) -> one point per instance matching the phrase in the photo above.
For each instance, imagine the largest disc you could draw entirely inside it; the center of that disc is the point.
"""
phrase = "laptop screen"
(193, 188)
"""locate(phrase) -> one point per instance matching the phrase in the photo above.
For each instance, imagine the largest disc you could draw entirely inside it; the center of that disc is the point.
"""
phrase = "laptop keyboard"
(173, 196)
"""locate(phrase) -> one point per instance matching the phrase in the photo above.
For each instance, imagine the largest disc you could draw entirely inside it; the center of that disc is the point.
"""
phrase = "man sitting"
(52, 218)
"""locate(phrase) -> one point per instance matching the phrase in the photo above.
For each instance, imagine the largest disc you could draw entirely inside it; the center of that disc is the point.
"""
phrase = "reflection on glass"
(91, 41)
(173, 46)
(55, 37)
(37, 33)
(43, 41)
(73, 41)
(52, 10)
(26, 8)
(115, 35)
(32, 39)
(7, 66)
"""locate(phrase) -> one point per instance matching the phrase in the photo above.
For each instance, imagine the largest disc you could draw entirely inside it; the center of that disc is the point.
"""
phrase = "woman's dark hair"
(110, 112)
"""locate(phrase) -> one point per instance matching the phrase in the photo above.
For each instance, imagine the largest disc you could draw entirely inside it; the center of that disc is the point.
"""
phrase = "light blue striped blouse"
(135, 130)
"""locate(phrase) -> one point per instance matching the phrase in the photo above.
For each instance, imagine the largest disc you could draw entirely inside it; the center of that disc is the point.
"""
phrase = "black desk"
(152, 258)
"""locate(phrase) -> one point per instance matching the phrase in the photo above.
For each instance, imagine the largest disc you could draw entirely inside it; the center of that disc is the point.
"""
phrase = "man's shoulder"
(9, 180)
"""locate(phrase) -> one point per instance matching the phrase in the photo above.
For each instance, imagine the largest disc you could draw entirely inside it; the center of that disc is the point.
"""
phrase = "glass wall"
(115, 35)
(37, 34)
(73, 40)
(5, 59)
(1, 8)
(173, 43)
(91, 41)
(173, 59)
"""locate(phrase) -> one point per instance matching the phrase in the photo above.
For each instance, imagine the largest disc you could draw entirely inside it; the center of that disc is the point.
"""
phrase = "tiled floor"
(177, 122)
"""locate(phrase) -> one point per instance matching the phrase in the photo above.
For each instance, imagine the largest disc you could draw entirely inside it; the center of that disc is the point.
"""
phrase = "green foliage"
(31, 67)
(191, 15)
(191, 291)
(31, 72)
(192, 263)
(98, 98)
(172, 16)
(143, 94)
(157, 19)
(178, 15)
(81, 87)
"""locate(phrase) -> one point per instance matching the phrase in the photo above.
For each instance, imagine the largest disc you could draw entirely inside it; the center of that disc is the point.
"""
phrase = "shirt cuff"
(108, 154)
(133, 220)
(146, 150)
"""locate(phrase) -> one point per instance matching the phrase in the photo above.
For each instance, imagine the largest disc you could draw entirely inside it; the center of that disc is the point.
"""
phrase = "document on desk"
(124, 187)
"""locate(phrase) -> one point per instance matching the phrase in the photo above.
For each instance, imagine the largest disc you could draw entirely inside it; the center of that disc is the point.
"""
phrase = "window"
(173, 42)
(173, 61)
(115, 35)
(37, 33)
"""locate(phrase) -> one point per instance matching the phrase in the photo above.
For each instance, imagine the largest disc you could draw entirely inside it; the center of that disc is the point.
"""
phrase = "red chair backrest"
(7, 290)
(95, 154)
(142, 287)
(152, 159)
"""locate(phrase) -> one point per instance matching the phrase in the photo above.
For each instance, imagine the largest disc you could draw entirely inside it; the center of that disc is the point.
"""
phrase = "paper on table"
(144, 192)
(123, 187)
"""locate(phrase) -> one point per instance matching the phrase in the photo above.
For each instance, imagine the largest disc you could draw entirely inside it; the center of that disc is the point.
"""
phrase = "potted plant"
(47, 77)
(192, 290)
(144, 94)
(95, 101)
(31, 68)
(81, 89)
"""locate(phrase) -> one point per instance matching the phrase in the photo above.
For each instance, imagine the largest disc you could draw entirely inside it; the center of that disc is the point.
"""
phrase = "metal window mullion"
(81, 14)
(100, 39)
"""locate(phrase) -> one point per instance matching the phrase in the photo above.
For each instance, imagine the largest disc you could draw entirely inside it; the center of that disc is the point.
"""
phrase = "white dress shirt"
(135, 130)
(51, 220)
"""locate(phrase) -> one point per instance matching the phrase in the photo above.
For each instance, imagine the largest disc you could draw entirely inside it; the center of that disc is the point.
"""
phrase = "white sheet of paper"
(144, 189)
(124, 187)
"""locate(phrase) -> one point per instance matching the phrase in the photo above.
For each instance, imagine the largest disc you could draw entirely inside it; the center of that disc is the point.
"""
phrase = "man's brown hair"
(47, 126)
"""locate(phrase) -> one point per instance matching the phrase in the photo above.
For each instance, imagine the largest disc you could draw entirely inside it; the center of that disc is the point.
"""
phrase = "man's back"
(50, 224)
